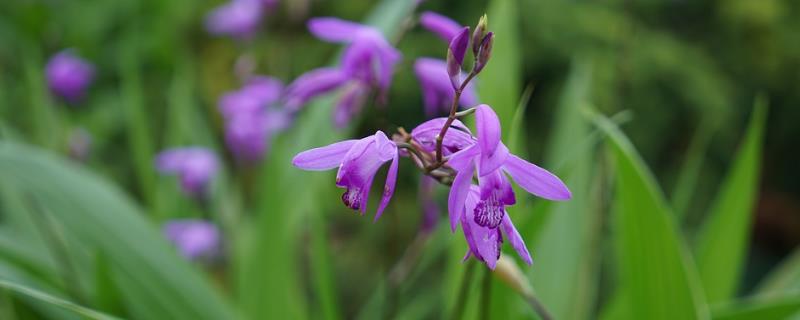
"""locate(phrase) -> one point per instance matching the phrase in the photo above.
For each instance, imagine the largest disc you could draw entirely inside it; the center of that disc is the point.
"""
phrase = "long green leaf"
(723, 240)
(654, 265)
(785, 278)
(67, 305)
(270, 281)
(759, 309)
(154, 281)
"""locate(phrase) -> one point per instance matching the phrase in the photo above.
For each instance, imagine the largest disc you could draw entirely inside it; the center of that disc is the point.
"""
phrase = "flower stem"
(450, 119)
(486, 295)
(458, 307)
(538, 307)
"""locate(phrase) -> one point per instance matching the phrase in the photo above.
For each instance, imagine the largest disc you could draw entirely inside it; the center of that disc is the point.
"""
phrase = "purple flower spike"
(194, 166)
(195, 239)
(68, 75)
(237, 18)
(455, 56)
(493, 162)
(358, 162)
(437, 91)
(442, 26)
(485, 242)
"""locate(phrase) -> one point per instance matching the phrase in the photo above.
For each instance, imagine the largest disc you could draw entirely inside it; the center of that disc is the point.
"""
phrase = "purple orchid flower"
(68, 75)
(251, 118)
(358, 162)
(440, 25)
(195, 239)
(485, 242)
(368, 61)
(237, 18)
(194, 166)
(493, 161)
(437, 92)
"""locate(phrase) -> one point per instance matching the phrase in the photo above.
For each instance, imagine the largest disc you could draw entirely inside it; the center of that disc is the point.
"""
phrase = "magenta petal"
(490, 163)
(388, 188)
(323, 158)
(459, 44)
(516, 239)
(460, 160)
(334, 29)
(442, 26)
(488, 126)
(536, 180)
(458, 195)
(312, 84)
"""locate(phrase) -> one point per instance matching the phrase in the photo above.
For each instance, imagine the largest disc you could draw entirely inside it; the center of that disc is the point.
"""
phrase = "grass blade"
(759, 309)
(723, 240)
(36, 294)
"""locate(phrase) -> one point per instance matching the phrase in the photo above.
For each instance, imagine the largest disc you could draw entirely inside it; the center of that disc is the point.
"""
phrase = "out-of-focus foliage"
(629, 98)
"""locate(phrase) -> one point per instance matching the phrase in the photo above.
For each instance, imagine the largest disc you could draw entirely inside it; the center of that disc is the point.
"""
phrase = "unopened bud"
(479, 34)
(509, 272)
(455, 56)
(484, 52)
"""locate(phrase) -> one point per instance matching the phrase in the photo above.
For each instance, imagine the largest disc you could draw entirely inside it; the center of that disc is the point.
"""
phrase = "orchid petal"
(491, 162)
(488, 126)
(536, 180)
(388, 188)
(323, 158)
(334, 29)
(516, 239)
(442, 26)
(458, 195)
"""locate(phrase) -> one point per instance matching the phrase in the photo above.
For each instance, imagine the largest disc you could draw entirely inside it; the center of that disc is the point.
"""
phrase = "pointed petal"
(491, 162)
(536, 180)
(488, 126)
(458, 195)
(516, 239)
(388, 189)
(323, 158)
(335, 30)
(442, 26)
(460, 160)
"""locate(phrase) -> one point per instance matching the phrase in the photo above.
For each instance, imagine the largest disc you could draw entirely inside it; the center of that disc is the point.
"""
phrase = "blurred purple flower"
(194, 166)
(368, 61)
(358, 162)
(485, 242)
(236, 18)
(68, 75)
(437, 92)
(195, 239)
(251, 117)
(442, 26)
(430, 211)
(493, 160)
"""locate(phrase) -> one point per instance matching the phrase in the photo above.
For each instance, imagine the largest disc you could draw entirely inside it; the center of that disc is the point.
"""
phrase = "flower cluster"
(479, 168)
(238, 18)
(68, 75)
(194, 166)
(368, 62)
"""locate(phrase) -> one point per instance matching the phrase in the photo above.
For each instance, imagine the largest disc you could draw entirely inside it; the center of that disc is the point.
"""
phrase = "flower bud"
(455, 56)
(484, 52)
(479, 34)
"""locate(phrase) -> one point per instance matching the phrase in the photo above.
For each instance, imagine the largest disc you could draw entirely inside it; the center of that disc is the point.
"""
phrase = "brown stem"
(450, 119)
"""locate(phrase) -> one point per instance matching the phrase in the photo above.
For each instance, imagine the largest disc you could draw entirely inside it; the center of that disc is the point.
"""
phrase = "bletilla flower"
(368, 61)
(68, 75)
(251, 117)
(458, 137)
(485, 242)
(237, 18)
(195, 239)
(358, 162)
(493, 162)
(442, 26)
(194, 166)
(437, 92)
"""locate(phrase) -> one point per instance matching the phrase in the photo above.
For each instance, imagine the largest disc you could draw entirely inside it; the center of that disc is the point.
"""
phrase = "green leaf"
(759, 309)
(67, 305)
(654, 265)
(154, 281)
(723, 240)
(568, 237)
(785, 278)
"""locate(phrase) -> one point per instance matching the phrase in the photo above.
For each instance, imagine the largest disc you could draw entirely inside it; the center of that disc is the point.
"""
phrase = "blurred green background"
(673, 122)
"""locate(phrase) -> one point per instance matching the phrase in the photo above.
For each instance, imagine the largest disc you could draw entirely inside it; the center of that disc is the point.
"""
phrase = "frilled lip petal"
(442, 26)
(483, 242)
(536, 180)
(336, 30)
(323, 158)
(516, 239)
